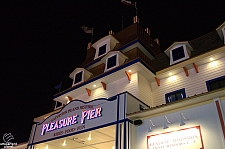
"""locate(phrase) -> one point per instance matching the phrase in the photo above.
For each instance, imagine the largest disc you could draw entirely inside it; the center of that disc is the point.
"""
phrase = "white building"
(129, 95)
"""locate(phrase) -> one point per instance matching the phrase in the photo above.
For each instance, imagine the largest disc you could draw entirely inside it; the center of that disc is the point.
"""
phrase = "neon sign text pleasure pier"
(71, 120)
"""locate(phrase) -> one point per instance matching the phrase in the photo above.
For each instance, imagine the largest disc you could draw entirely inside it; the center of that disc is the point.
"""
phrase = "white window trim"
(186, 54)
(117, 62)
(99, 50)
(107, 43)
(82, 79)
(59, 106)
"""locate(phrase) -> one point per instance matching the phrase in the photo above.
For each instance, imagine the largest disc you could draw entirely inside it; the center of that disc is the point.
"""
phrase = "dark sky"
(41, 43)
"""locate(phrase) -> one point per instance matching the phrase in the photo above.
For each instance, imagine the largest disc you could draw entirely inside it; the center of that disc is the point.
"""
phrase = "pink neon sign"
(71, 120)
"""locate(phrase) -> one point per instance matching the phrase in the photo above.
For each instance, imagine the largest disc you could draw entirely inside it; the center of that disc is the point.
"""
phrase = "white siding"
(144, 90)
(112, 89)
(195, 83)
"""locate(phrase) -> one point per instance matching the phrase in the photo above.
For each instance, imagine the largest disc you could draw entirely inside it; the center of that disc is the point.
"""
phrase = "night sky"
(42, 42)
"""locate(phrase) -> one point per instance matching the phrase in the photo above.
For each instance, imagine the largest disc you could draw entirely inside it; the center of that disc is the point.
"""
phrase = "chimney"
(89, 45)
(147, 30)
(136, 19)
(111, 32)
(156, 40)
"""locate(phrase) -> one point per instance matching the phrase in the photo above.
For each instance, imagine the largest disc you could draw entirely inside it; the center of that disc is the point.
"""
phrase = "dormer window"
(221, 32)
(104, 45)
(178, 53)
(78, 77)
(111, 62)
(58, 105)
(102, 50)
(113, 59)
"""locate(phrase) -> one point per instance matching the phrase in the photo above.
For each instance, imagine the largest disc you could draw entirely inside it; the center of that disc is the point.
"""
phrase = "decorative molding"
(158, 81)
(103, 85)
(88, 91)
(186, 71)
(196, 68)
(128, 75)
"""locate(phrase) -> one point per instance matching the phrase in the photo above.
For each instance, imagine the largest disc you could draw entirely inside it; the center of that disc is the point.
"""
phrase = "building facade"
(129, 95)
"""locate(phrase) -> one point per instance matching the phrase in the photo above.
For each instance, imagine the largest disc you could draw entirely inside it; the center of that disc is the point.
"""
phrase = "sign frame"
(197, 127)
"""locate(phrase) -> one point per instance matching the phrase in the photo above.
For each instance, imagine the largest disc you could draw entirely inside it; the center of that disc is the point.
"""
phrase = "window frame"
(105, 49)
(173, 93)
(214, 80)
(99, 45)
(82, 76)
(113, 61)
(106, 64)
(187, 53)
(178, 48)
(58, 106)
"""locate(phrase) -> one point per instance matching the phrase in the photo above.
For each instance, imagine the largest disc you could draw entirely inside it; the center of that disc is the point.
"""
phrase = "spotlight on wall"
(89, 137)
(213, 64)
(151, 125)
(64, 143)
(182, 119)
(166, 122)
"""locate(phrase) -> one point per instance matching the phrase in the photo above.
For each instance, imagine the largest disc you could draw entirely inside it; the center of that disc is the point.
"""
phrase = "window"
(113, 59)
(102, 50)
(111, 62)
(58, 105)
(215, 83)
(78, 77)
(175, 95)
(178, 53)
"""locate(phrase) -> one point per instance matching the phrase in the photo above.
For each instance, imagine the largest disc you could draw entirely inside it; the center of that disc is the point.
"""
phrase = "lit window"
(215, 83)
(111, 62)
(175, 95)
(102, 50)
(178, 53)
(78, 77)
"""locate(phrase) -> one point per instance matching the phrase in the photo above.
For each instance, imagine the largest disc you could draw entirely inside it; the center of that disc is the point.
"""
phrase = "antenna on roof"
(135, 5)
(92, 35)
(130, 3)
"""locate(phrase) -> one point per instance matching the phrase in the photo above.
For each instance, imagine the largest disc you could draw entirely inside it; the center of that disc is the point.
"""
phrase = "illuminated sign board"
(76, 117)
(71, 120)
(188, 138)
